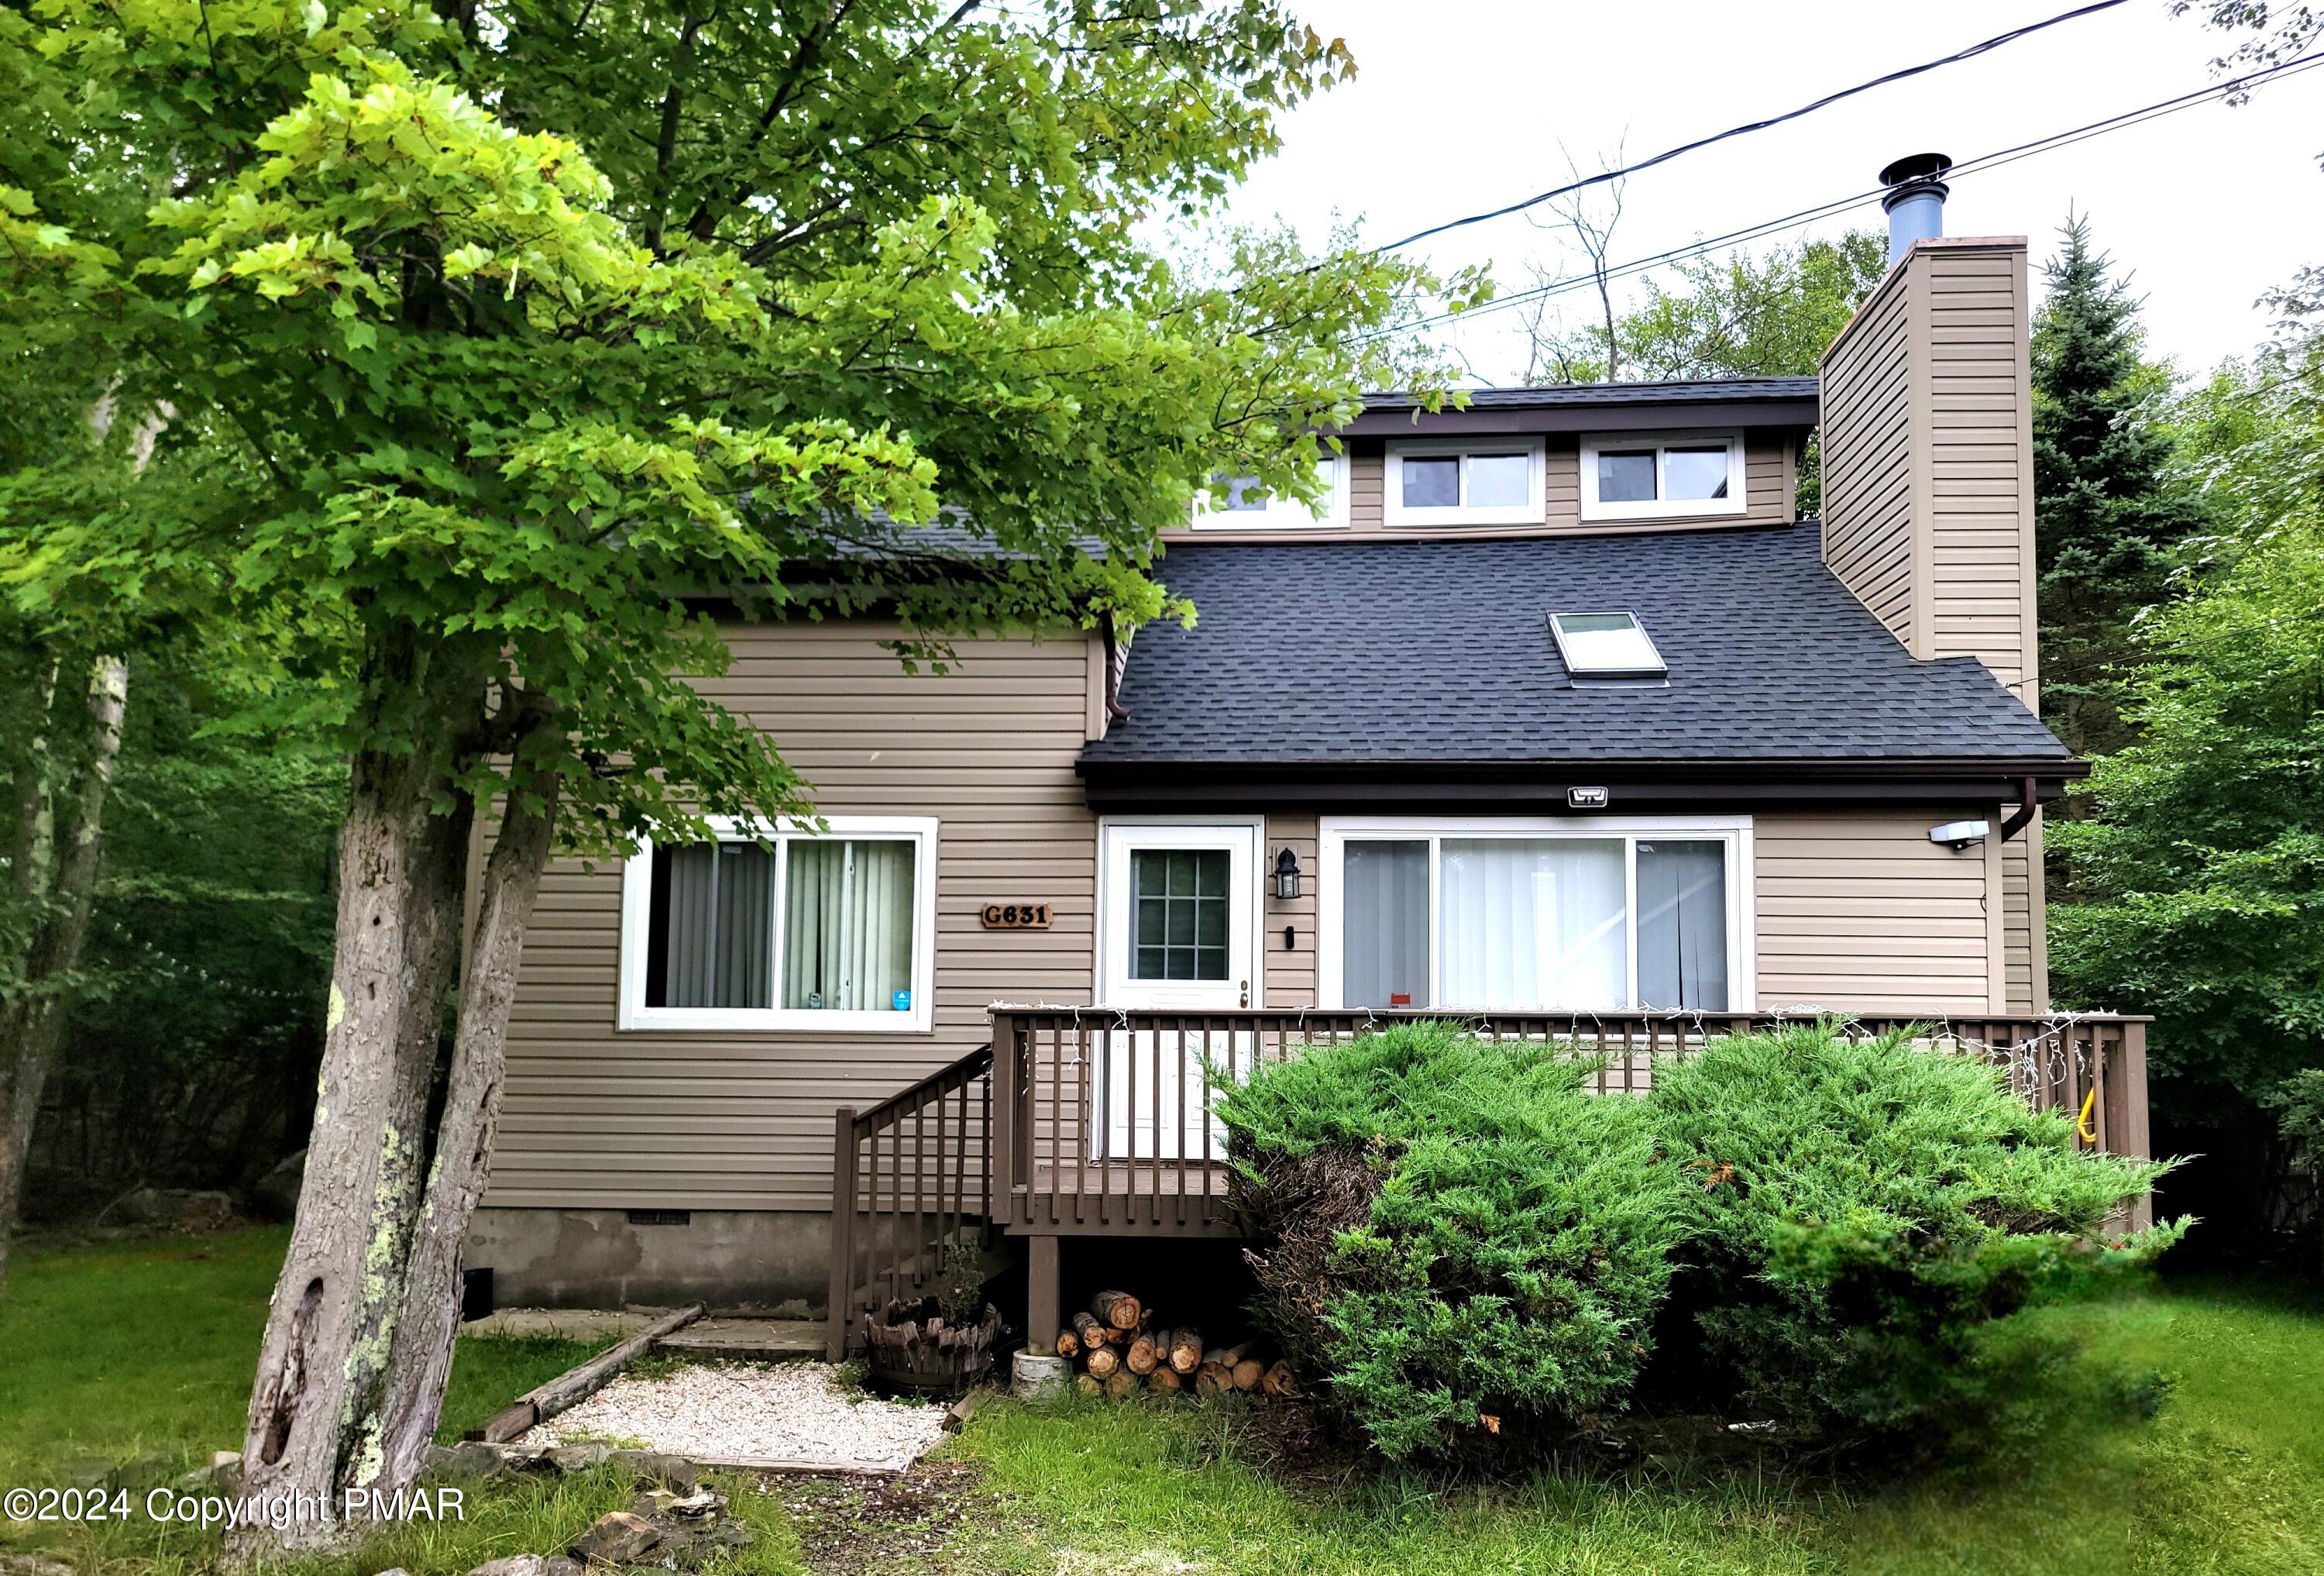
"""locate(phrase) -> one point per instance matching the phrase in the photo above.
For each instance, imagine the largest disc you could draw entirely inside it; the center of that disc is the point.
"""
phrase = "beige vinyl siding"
(2025, 950)
(1367, 485)
(1981, 463)
(1928, 465)
(600, 1118)
(1868, 492)
(1770, 479)
(1290, 972)
(1860, 910)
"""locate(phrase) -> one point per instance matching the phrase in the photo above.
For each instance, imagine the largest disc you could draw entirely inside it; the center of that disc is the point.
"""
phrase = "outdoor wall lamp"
(1287, 875)
(1959, 834)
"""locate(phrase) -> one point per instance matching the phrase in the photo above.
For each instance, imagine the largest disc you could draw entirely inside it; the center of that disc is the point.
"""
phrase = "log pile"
(1119, 1349)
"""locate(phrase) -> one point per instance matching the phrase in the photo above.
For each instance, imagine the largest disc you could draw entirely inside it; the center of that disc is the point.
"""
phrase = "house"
(1557, 713)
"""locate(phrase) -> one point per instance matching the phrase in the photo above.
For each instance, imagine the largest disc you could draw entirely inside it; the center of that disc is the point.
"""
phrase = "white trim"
(1333, 833)
(637, 880)
(1116, 836)
(1662, 506)
(1532, 511)
(1283, 514)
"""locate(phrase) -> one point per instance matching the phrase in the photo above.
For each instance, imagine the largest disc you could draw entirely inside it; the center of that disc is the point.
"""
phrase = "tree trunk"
(32, 1023)
(420, 1361)
(318, 1408)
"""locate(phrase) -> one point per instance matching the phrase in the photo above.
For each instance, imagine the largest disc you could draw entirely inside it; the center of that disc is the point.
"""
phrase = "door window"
(1180, 899)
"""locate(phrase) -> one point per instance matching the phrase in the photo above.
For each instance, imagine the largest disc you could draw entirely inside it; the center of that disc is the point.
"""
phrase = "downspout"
(2024, 816)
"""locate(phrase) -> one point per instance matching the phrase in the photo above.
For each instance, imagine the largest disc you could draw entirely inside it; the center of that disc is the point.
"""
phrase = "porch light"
(1287, 875)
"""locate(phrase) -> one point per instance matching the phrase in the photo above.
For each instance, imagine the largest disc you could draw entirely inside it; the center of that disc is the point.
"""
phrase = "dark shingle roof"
(1690, 393)
(1440, 652)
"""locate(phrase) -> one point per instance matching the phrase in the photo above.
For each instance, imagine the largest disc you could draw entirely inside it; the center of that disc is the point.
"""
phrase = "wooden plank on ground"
(576, 1385)
(797, 1469)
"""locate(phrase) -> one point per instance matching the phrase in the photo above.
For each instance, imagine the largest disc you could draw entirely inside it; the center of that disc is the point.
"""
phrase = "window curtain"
(1533, 923)
(713, 914)
(1682, 925)
(848, 924)
(1384, 926)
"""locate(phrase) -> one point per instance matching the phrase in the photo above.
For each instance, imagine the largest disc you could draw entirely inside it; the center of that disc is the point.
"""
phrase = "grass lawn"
(119, 1353)
(140, 1356)
(145, 1352)
(2230, 1478)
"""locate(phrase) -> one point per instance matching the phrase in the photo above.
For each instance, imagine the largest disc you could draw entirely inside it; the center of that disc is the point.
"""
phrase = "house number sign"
(1015, 916)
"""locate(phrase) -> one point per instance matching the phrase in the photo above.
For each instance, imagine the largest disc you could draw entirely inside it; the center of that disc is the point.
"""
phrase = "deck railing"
(1103, 1121)
(910, 1177)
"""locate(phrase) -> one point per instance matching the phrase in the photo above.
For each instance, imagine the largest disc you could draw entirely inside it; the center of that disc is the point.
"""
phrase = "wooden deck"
(1167, 1197)
(1071, 1122)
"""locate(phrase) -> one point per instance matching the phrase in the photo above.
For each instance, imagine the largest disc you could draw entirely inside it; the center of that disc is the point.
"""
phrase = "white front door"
(1181, 927)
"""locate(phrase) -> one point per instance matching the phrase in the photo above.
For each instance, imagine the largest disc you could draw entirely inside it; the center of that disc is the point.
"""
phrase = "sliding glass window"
(1463, 917)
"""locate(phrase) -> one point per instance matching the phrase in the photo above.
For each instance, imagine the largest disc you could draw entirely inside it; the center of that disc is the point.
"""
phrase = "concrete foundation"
(766, 1261)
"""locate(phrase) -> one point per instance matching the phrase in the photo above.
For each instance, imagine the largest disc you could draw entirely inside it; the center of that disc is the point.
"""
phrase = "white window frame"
(637, 912)
(1283, 514)
(1113, 887)
(1532, 511)
(1662, 506)
(1336, 832)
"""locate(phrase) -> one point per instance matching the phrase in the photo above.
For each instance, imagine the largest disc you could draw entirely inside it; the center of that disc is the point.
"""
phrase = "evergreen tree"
(2108, 524)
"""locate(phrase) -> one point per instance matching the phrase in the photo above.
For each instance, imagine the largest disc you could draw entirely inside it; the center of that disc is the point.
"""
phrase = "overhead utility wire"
(1976, 166)
(1971, 53)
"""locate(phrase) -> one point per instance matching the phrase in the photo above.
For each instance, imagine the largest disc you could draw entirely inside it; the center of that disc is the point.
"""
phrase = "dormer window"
(1606, 645)
(1473, 481)
(1237, 503)
(1661, 475)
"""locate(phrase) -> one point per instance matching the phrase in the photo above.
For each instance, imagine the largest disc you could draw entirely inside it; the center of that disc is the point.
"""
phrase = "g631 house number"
(1015, 916)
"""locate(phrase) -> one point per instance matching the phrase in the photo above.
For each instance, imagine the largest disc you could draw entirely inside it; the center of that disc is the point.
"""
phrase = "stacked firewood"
(1119, 1349)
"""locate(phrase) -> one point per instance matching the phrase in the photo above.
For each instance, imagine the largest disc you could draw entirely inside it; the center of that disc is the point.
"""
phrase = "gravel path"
(785, 1411)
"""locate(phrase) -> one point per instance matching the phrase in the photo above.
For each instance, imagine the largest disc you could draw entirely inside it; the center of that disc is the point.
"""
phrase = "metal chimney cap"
(1915, 172)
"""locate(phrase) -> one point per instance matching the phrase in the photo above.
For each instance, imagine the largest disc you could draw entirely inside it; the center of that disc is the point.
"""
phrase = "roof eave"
(1505, 787)
(1408, 420)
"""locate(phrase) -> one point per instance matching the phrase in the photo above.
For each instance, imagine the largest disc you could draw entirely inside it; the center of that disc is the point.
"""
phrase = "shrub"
(1862, 1212)
(1460, 1243)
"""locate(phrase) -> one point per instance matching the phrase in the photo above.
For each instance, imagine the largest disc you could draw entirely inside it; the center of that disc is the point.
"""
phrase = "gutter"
(1505, 787)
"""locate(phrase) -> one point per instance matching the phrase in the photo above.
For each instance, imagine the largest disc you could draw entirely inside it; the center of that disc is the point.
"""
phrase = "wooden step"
(748, 1339)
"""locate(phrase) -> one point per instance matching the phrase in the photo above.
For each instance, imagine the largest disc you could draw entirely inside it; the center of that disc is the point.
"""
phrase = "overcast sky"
(1462, 104)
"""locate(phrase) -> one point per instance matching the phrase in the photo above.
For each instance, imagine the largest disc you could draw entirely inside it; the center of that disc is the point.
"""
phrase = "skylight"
(1606, 645)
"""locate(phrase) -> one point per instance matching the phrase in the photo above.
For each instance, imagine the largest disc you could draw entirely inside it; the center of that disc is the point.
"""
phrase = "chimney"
(1927, 445)
(1927, 440)
(1914, 201)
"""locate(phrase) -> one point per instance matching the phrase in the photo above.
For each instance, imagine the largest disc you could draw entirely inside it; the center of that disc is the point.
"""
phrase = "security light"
(1959, 834)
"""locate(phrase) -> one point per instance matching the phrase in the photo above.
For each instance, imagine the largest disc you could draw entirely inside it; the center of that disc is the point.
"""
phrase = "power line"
(1971, 53)
(1975, 166)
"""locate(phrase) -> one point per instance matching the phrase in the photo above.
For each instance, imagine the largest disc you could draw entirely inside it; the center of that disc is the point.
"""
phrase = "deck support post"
(2127, 1129)
(1044, 1305)
(1002, 1176)
(844, 1205)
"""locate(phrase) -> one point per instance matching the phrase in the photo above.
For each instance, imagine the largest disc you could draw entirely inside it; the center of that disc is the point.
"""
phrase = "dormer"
(1572, 459)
